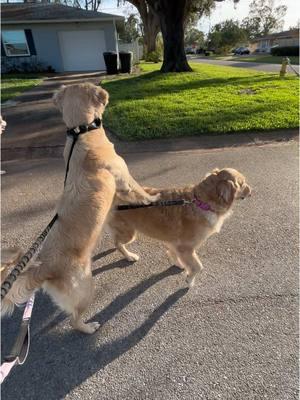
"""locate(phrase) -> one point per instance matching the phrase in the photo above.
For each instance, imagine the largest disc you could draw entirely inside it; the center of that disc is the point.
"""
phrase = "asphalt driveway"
(233, 336)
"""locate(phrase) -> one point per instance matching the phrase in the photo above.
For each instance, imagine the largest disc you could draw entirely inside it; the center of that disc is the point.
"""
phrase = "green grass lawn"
(212, 99)
(264, 59)
(13, 85)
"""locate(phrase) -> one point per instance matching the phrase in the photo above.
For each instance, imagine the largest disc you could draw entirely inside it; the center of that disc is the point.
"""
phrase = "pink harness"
(201, 204)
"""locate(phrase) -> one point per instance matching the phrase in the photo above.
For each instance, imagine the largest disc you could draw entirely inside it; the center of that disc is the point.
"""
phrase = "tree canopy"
(194, 36)
(129, 31)
(226, 35)
(264, 17)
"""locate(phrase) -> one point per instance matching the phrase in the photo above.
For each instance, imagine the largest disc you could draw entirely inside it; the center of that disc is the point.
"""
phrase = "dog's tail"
(25, 285)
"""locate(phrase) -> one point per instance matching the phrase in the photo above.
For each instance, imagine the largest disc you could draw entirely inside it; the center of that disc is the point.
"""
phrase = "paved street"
(233, 336)
(243, 64)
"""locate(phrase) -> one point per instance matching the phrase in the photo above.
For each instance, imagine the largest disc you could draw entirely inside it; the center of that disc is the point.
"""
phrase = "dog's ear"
(226, 191)
(58, 97)
(213, 172)
(100, 96)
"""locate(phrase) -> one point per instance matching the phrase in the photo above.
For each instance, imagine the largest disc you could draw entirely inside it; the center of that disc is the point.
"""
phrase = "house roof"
(283, 34)
(14, 13)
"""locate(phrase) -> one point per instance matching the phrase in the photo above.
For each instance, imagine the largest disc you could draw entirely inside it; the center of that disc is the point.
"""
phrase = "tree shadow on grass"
(57, 364)
(154, 84)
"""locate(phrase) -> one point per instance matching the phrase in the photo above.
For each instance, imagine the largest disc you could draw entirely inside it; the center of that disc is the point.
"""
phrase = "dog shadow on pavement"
(58, 363)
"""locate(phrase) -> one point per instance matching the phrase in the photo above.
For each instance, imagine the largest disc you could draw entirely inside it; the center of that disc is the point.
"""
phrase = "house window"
(15, 43)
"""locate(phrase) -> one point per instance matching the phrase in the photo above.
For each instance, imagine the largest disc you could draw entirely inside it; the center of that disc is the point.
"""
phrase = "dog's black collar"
(74, 134)
(78, 130)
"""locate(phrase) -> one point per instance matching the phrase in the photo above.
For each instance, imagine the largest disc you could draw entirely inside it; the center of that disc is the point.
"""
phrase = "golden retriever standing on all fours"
(183, 228)
(96, 172)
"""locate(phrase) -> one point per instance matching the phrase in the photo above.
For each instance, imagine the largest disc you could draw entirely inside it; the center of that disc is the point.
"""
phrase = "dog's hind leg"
(82, 297)
(191, 262)
(74, 297)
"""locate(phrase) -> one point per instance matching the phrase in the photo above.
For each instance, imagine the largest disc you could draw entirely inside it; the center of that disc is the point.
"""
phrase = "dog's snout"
(247, 192)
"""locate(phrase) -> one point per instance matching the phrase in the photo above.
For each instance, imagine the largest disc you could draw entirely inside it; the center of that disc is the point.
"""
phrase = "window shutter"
(30, 42)
(3, 54)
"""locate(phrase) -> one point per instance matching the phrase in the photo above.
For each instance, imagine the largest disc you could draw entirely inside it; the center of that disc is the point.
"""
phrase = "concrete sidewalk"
(232, 337)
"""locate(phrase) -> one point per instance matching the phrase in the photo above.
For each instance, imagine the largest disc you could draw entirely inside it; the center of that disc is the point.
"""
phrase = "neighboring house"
(57, 36)
(286, 38)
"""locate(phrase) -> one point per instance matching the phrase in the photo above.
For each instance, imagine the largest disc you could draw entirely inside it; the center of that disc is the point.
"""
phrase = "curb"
(203, 142)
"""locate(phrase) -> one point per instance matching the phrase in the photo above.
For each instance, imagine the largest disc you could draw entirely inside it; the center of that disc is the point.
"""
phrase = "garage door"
(82, 50)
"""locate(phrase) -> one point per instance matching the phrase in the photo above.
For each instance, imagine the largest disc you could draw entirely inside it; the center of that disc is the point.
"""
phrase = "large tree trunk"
(172, 15)
(151, 30)
(151, 23)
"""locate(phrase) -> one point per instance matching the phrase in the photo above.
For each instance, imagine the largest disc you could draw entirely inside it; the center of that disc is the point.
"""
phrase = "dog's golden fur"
(182, 228)
(96, 173)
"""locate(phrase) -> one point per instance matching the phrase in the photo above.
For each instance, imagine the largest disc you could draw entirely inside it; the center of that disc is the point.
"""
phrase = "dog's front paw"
(155, 197)
(151, 199)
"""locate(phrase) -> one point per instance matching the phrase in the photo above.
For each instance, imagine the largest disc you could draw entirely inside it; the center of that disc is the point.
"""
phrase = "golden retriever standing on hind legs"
(95, 174)
(182, 228)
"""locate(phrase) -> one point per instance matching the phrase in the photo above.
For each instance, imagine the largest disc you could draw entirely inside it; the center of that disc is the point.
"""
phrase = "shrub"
(285, 51)
(153, 56)
(15, 65)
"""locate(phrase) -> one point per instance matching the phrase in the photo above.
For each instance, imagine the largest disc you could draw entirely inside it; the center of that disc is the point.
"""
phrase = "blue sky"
(224, 10)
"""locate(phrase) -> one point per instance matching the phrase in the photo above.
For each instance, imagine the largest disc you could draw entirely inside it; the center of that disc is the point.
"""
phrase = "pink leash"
(20, 349)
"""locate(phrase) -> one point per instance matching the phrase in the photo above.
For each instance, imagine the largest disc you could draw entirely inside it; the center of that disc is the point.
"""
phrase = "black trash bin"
(111, 62)
(126, 61)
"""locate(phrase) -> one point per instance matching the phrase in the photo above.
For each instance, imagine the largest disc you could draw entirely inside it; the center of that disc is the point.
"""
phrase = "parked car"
(209, 52)
(241, 51)
(237, 50)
